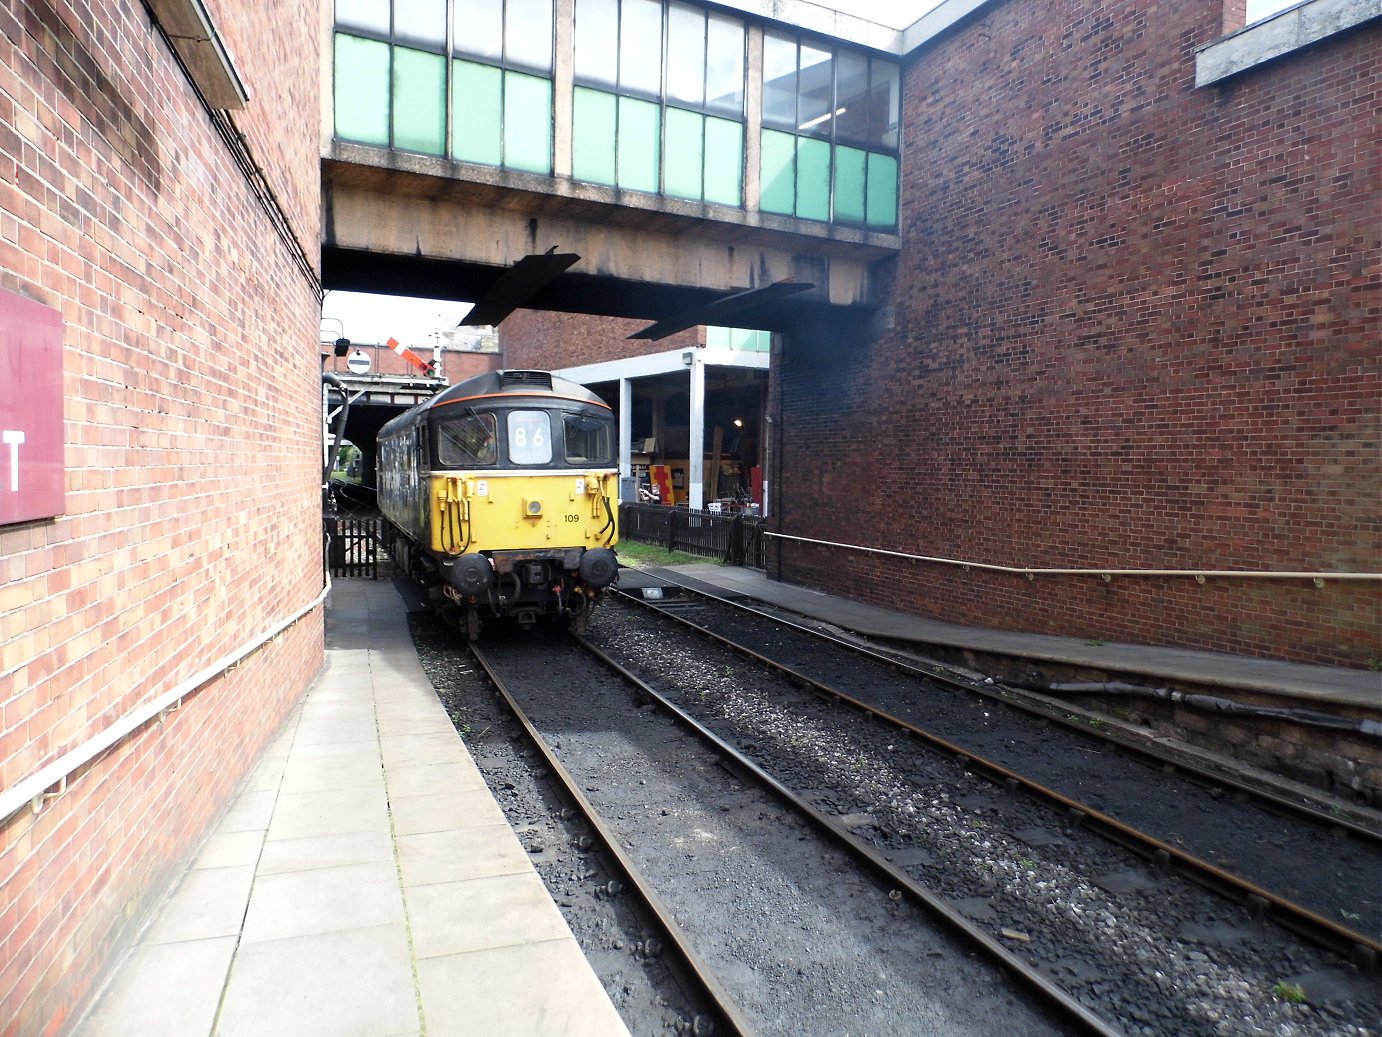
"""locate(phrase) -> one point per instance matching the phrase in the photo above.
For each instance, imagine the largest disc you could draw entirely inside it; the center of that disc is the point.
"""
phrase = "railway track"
(871, 981)
(1117, 934)
(1109, 925)
(1193, 824)
(1138, 952)
(720, 1013)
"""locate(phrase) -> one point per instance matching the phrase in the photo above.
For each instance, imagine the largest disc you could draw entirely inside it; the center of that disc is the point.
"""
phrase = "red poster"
(31, 470)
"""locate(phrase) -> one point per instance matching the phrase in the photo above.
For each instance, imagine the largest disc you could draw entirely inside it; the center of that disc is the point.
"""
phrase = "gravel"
(1163, 957)
(1160, 958)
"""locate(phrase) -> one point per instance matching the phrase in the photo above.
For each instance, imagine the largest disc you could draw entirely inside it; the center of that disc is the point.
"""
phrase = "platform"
(1317, 685)
(364, 882)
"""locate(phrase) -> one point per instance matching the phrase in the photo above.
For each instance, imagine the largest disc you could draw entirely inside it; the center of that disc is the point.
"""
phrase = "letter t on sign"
(12, 438)
(31, 430)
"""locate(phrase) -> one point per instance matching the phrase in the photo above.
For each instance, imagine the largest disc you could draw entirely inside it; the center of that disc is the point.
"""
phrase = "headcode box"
(31, 470)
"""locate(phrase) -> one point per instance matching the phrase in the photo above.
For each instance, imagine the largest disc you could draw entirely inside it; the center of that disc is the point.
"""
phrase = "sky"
(374, 319)
(897, 14)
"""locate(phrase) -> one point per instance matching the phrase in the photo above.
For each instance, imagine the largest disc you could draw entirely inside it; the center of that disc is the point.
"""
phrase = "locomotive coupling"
(599, 566)
(470, 574)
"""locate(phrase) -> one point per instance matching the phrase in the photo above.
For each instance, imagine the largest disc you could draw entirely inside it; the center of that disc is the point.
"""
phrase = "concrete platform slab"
(1306, 683)
(363, 883)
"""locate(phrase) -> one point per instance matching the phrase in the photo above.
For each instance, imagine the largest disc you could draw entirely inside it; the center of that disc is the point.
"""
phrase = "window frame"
(781, 164)
(451, 54)
(489, 426)
(585, 85)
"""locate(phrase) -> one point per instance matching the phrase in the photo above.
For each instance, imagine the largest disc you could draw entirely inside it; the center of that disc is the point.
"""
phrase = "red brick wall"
(1136, 326)
(191, 383)
(544, 341)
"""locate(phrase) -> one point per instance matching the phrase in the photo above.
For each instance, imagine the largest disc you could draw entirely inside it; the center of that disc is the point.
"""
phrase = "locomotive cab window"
(587, 440)
(530, 437)
(467, 441)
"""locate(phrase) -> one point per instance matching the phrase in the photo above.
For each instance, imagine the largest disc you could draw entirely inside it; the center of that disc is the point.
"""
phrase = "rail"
(1031, 572)
(1364, 950)
(686, 965)
(1081, 1019)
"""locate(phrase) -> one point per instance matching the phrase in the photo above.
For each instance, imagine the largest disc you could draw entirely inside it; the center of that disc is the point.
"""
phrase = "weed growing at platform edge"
(1289, 992)
(640, 555)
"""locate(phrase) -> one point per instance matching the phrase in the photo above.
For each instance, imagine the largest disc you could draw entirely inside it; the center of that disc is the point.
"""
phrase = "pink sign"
(31, 471)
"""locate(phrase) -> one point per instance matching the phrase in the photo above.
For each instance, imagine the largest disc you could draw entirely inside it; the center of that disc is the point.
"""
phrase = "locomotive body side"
(500, 493)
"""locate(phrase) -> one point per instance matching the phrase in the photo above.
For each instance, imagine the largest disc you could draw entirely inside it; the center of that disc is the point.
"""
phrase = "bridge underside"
(412, 231)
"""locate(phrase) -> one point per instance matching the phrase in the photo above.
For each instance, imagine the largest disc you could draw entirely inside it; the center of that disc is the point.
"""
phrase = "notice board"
(31, 439)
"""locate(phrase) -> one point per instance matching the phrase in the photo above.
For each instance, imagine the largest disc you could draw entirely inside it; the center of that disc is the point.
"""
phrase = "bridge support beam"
(411, 227)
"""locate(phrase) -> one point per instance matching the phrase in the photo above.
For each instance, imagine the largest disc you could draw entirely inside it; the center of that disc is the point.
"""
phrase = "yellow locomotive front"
(512, 507)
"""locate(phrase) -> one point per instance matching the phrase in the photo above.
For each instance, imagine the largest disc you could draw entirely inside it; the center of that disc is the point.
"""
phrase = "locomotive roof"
(516, 382)
(512, 384)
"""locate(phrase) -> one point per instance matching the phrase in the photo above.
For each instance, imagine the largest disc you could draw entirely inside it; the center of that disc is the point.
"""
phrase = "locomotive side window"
(530, 437)
(588, 440)
(467, 441)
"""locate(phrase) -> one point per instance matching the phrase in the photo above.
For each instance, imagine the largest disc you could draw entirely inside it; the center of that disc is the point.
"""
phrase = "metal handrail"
(33, 789)
(1033, 571)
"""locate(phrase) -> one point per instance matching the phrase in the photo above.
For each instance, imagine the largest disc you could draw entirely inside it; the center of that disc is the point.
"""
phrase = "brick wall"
(192, 425)
(1137, 325)
(544, 341)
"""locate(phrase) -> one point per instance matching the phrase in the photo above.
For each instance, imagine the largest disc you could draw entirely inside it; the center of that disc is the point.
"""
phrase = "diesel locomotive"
(499, 494)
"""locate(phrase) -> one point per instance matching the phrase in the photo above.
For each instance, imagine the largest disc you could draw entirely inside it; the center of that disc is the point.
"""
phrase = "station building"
(1119, 377)
(1072, 322)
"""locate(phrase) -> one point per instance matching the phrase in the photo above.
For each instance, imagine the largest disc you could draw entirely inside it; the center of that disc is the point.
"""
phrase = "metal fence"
(736, 539)
(353, 545)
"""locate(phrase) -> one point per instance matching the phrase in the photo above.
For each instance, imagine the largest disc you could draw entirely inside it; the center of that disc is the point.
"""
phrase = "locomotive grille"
(540, 379)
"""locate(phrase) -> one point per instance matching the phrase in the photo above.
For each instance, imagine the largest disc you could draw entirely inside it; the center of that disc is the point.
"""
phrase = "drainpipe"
(330, 462)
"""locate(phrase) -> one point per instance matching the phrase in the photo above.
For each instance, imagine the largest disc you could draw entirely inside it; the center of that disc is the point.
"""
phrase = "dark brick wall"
(1136, 326)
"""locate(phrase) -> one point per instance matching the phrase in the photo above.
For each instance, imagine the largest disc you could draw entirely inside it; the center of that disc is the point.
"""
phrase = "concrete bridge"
(636, 184)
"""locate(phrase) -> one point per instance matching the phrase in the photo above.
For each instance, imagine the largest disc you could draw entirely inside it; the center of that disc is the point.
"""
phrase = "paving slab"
(1220, 670)
(362, 883)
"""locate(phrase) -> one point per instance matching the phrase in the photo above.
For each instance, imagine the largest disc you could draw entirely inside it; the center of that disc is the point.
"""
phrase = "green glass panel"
(476, 113)
(527, 123)
(778, 173)
(685, 153)
(592, 136)
(724, 161)
(813, 179)
(419, 101)
(754, 341)
(640, 145)
(849, 185)
(882, 210)
(717, 338)
(362, 90)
